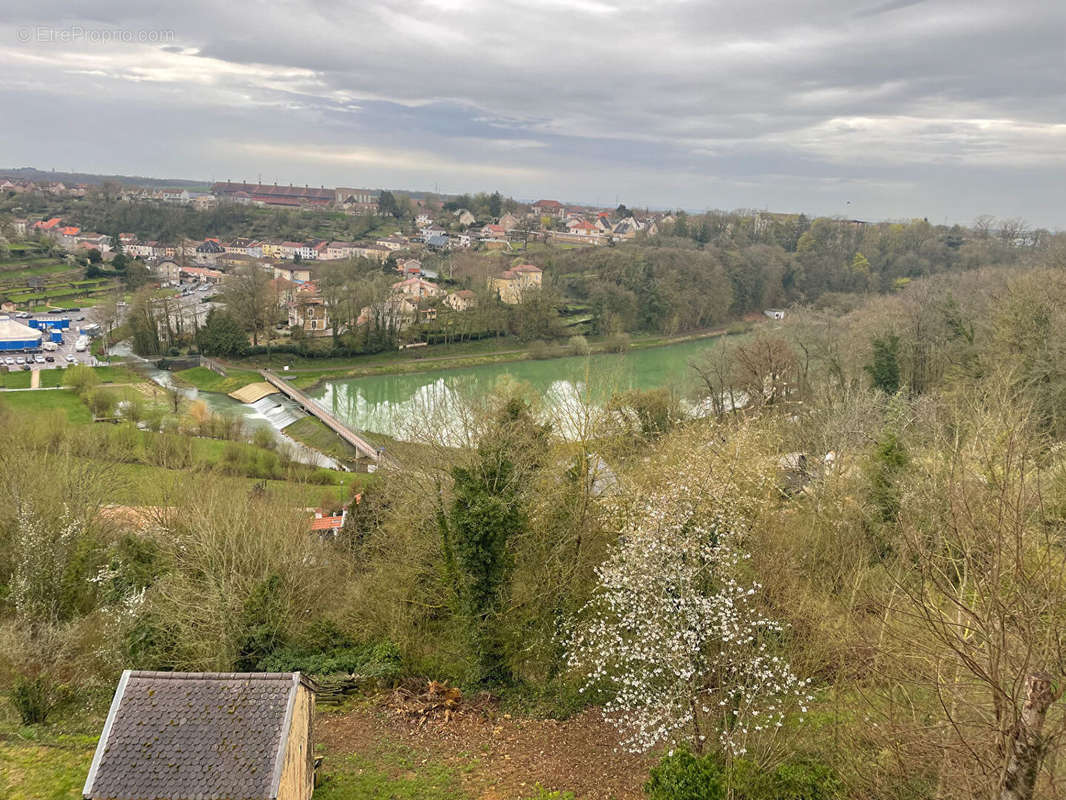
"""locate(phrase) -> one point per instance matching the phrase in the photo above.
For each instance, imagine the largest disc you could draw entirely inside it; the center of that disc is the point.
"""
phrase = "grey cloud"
(691, 104)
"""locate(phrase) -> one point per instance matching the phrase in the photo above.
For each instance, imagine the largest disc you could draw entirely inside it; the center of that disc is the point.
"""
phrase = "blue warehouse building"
(16, 336)
(59, 323)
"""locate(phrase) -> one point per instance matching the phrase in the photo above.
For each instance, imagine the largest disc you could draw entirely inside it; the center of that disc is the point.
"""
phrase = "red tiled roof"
(327, 523)
(547, 204)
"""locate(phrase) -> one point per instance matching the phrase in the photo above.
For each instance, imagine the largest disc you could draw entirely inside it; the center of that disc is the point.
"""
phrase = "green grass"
(387, 772)
(143, 484)
(207, 380)
(117, 374)
(15, 380)
(43, 771)
(314, 433)
(48, 402)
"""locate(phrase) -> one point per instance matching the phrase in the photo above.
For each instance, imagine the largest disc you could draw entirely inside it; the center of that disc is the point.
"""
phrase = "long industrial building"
(274, 195)
(16, 336)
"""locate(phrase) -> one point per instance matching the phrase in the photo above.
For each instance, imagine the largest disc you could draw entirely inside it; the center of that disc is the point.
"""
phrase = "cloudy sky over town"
(937, 108)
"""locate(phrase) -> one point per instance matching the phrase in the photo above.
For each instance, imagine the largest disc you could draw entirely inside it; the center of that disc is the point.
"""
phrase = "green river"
(407, 407)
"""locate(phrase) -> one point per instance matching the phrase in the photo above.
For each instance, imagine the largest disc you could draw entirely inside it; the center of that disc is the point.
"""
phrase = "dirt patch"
(499, 757)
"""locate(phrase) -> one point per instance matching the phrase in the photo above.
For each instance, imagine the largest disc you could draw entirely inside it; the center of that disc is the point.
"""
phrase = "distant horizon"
(8, 171)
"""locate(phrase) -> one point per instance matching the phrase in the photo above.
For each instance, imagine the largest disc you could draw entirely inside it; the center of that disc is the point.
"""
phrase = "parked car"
(50, 359)
(39, 359)
(71, 358)
(20, 360)
(9, 361)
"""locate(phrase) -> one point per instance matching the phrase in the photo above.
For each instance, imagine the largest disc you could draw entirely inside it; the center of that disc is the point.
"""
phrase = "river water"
(407, 406)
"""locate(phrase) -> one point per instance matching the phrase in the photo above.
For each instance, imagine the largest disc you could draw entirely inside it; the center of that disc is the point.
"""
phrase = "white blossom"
(674, 632)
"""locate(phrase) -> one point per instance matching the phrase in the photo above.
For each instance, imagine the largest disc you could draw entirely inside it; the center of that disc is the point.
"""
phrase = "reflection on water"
(410, 407)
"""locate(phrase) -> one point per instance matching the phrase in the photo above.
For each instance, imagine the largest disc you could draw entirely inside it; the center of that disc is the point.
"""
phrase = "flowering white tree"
(674, 633)
(43, 549)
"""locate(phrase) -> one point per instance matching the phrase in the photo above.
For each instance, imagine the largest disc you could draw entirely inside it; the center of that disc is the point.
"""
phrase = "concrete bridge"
(362, 446)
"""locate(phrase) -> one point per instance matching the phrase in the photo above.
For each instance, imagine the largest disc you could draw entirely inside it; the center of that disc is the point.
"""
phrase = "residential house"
(68, 236)
(409, 267)
(144, 249)
(463, 300)
(423, 220)
(20, 226)
(202, 201)
(394, 242)
(582, 227)
(374, 252)
(202, 274)
(47, 226)
(234, 260)
(308, 311)
(297, 273)
(417, 288)
(166, 271)
(508, 222)
(510, 284)
(438, 241)
(180, 735)
(271, 248)
(208, 251)
(549, 208)
(775, 313)
(94, 241)
(180, 196)
(339, 250)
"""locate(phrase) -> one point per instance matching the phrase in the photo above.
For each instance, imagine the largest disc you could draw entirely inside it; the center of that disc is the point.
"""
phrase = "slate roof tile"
(194, 735)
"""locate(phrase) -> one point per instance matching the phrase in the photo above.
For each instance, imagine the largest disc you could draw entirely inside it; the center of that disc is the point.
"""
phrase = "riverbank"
(309, 373)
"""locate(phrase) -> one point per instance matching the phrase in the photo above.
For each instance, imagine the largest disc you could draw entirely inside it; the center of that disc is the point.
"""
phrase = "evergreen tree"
(884, 369)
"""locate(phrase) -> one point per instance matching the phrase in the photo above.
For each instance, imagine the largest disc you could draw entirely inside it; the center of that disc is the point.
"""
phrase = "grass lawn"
(47, 762)
(15, 380)
(46, 402)
(143, 484)
(115, 374)
(314, 433)
(54, 771)
(389, 772)
(207, 380)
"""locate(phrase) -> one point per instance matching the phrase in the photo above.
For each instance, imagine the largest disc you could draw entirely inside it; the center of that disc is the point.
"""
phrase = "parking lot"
(192, 306)
(64, 355)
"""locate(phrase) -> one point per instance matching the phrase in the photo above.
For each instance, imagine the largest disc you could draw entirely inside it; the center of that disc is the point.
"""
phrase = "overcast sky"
(944, 109)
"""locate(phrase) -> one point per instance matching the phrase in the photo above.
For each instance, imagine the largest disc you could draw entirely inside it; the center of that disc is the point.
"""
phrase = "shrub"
(684, 776)
(540, 349)
(35, 698)
(264, 437)
(322, 477)
(619, 343)
(579, 345)
(374, 660)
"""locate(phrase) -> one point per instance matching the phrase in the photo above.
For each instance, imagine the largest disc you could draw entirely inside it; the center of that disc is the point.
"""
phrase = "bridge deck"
(364, 447)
